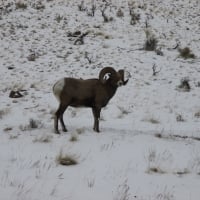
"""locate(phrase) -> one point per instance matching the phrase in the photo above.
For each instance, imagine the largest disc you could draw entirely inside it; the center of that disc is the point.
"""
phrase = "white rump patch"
(58, 88)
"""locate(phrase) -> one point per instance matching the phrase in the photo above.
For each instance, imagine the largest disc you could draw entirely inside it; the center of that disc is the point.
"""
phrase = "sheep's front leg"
(96, 114)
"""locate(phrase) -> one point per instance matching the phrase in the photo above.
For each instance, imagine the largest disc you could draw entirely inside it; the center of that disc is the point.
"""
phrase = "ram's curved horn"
(104, 71)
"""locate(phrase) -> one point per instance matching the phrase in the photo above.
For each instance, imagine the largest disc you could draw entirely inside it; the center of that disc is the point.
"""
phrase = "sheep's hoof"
(64, 129)
(57, 132)
(96, 130)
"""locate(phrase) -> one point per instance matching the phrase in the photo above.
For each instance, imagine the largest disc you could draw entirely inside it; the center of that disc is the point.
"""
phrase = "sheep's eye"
(120, 83)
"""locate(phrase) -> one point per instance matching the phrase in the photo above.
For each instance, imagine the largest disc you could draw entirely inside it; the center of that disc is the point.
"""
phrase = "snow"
(148, 147)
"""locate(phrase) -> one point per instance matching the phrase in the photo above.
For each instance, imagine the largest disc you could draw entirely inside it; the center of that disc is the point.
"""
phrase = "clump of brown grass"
(151, 41)
(184, 85)
(155, 170)
(186, 53)
(20, 5)
(66, 159)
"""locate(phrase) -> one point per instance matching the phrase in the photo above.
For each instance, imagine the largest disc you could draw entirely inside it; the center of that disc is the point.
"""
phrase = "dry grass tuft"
(4, 112)
(183, 172)
(73, 138)
(184, 85)
(66, 159)
(155, 170)
(186, 53)
(43, 138)
(158, 135)
(20, 5)
(151, 41)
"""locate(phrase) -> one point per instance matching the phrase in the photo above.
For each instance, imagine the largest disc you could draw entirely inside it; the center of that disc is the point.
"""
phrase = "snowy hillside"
(149, 144)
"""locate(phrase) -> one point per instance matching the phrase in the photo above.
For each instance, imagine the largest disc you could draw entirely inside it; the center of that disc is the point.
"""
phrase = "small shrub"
(182, 172)
(66, 159)
(134, 18)
(32, 57)
(3, 112)
(159, 52)
(151, 42)
(197, 114)
(120, 13)
(91, 182)
(73, 138)
(43, 138)
(186, 53)
(92, 11)
(198, 84)
(164, 195)
(179, 118)
(7, 129)
(59, 18)
(81, 6)
(20, 5)
(123, 191)
(38, 5)
(12, 137)
(184, 85)
(151, 120)
(156, 161)
(154, 121)
(80, 131)
(155, 170)
(33, 124)
(158, 135)
(195, 162)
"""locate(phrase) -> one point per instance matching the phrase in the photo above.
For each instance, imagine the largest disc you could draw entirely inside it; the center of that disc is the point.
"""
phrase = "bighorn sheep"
(93, 93)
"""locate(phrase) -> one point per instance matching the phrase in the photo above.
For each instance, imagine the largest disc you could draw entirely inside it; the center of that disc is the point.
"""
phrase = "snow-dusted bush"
(184, 85)
(43, 138)
(20, 5)
(151, 41)
(74, 137)
(156, 161)
(123, 191)
(33, 124)
(4, 112)
(186, 53)
(120, 13)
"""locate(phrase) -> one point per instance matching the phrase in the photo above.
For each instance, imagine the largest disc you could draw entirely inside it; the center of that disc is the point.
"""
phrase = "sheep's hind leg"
(63, 108)
(56, 124)
(59, 115)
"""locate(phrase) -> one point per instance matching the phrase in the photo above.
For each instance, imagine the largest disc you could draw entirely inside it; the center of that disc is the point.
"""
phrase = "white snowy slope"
(149, 144)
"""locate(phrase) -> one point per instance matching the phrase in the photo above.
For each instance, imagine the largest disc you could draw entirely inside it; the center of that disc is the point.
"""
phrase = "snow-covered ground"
(149, 145)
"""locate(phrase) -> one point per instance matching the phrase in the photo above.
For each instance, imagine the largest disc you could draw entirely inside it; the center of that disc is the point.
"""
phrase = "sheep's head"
(116, 78)
(124, 75)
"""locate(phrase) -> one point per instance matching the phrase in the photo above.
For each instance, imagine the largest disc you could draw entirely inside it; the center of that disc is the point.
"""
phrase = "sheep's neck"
(111, 89)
